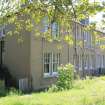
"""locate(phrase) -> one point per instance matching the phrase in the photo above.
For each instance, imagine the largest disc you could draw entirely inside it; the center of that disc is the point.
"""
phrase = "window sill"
(51, 75)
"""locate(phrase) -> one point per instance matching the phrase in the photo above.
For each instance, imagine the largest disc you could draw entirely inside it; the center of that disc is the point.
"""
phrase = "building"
(34, 62)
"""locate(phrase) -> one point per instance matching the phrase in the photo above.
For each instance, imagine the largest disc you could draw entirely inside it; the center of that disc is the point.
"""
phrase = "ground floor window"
(86, 62)
(51, 61)
(47, 63)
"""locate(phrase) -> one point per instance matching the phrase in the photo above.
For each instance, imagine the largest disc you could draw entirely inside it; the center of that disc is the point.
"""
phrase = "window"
(56, 62)
(30, 1)
(85, 36)
(91, 62)
(24, 3)
(86, 62)
(47, 63)
(78, 31)
(55, 30)
(85, 21)
(45, 24)
(102, 61)
(98, 62)
(76, 59)
(2, 31)
(80, 62)
(51, 62)
(91, 40)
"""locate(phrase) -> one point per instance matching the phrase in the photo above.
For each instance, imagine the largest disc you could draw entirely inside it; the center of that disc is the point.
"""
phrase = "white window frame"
(2, 28)
(51, 69)
(91, 62)
(80, 62)
(102, 61)
(55, 30)
(86, 62)
(56, 62)
(45, 24)
(45, 55)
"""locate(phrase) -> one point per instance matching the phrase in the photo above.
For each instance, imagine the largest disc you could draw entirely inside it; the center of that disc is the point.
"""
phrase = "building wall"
(25, 60)
(17, 55)
(41, 46)
(38, 48)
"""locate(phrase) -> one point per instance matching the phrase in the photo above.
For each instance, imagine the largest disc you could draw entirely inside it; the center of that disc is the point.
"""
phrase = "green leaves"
(61, 11)
(69, 39)
(23, 1)
(65, 77)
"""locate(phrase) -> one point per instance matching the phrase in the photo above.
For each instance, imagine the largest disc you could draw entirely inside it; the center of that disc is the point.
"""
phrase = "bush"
(2, 88)
(65, 78)
(13, 91)
(53, 88)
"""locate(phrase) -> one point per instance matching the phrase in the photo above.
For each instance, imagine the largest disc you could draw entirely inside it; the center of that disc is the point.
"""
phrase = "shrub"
(53, 88)
(2, 88)
(13, 91)
(65, 77)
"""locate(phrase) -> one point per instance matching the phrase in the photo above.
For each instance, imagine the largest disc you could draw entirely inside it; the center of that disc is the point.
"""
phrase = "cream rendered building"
(34, 62)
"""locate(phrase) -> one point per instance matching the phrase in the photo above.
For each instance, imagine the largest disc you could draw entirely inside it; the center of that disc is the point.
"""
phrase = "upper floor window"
(54, 29)
(85, 21)
(2, 31)
(78, 31)
(24, 3)
(45, 24)
(30, 1)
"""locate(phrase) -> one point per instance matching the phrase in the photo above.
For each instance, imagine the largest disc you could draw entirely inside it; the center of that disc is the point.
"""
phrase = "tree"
(64, 12)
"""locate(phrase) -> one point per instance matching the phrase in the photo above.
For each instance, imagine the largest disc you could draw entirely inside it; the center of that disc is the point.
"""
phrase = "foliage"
(25, 14)
(13, 91)
(9, 92)
(2, 88)
(60, 11)
(84, 92)
(65, 77)
(30, 13)
(53, 88)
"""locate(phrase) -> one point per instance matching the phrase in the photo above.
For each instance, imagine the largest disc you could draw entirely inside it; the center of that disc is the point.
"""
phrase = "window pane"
(54, 57)
(51, 62)
(56, 61)
(55, 29)
(46, 68)
(47, 62)
(55, 67)
(45, 24)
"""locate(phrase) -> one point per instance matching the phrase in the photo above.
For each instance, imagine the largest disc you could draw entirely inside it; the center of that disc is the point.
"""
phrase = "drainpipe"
(83, 49)
(75, 50)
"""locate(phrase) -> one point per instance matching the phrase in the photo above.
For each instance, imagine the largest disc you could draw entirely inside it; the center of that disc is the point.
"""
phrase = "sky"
(97, 17)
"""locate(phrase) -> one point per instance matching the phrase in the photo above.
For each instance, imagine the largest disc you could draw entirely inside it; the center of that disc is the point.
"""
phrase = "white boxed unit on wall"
(23, 84)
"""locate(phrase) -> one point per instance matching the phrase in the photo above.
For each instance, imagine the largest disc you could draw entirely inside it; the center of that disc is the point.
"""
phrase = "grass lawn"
(85, 92)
